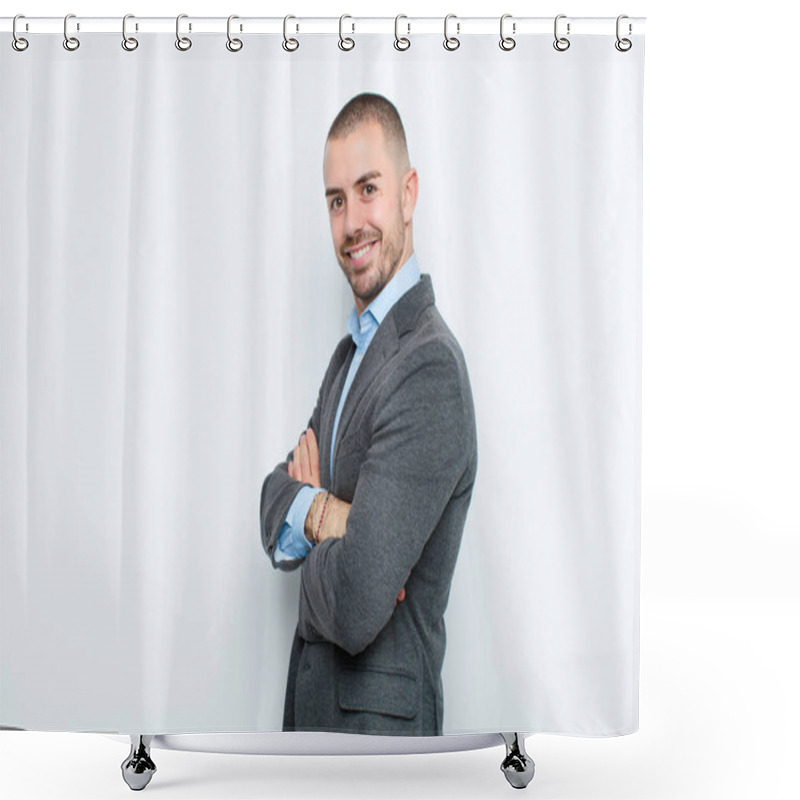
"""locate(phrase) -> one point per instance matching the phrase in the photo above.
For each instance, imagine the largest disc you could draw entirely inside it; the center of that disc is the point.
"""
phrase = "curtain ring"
(451, 42)
(181, 42)
(561, 44)
(18, 43)
(290, 45)
(506, 42)
(70, 42)
(623, 45)
(401, 43)
(234, 45)
(345, 43)
(128, 42)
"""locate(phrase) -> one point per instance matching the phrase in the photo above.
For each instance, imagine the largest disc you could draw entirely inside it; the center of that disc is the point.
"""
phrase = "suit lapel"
(401, 319)
(382, 347)
(330, 417)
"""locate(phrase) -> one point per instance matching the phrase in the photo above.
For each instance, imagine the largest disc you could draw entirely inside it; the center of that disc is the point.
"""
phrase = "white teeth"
(361, 252)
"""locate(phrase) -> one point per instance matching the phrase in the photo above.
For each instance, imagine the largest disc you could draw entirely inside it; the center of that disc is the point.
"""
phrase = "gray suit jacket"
(406, 458)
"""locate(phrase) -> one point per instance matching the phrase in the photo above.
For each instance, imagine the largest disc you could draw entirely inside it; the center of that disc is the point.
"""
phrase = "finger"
(305, 467)
(291, 469)
(313, 454)
(402, 595)
(296, 458)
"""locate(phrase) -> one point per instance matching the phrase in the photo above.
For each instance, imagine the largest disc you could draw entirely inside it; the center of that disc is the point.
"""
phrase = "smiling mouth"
(359, 256)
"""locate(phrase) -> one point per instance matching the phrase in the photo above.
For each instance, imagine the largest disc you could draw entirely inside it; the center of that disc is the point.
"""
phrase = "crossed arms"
(319, 526)
(422, 444)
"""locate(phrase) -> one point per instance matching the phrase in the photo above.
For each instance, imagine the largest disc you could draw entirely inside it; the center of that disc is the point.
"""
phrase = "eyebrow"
(367, 176)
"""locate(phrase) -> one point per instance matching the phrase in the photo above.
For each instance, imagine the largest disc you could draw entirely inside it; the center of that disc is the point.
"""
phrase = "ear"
(410, 188)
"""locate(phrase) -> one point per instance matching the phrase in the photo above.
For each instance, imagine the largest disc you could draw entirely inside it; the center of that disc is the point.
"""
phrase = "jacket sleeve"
(421, 444)
(278, 493)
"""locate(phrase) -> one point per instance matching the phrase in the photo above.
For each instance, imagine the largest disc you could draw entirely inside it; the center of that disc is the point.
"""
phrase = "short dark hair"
(369, 107)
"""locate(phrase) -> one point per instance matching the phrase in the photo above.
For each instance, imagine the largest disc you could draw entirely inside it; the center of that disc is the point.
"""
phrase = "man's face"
(364, 193)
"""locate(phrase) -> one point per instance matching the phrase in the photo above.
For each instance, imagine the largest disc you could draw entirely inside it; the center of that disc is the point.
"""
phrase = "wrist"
(319, 509)
(310, 522)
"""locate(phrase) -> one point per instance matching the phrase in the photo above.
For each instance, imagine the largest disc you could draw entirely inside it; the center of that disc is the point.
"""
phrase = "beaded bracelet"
(321, 517)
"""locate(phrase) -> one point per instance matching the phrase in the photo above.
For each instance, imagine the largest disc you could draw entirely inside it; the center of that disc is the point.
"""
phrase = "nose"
(354, 220)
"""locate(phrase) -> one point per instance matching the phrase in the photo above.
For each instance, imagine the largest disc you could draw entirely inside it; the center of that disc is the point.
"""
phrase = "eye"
(336, 203)
(369, 188)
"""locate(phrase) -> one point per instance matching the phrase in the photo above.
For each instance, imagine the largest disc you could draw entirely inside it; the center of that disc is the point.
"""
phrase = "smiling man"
(372, 501)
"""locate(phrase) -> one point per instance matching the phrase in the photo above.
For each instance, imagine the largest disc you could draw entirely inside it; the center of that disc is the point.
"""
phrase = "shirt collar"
(359, 326)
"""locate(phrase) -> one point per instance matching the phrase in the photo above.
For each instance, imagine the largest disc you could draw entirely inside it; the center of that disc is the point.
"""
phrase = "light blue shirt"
(292, 542)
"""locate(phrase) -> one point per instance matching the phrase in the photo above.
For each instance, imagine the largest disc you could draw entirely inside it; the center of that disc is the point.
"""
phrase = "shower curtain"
(171, 298)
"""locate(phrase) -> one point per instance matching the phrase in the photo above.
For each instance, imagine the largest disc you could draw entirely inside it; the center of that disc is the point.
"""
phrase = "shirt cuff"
(292, 542)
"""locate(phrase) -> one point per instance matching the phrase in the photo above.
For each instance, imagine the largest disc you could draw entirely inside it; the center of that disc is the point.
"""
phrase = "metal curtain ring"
(128, 42)
(345, 43)
(70, 42)
(181, 42)
(234, 45)
(451, 42)
(290, 45)
(561, 44)
(623, 45)
(18, 43)
(506, 42)
(401, 43)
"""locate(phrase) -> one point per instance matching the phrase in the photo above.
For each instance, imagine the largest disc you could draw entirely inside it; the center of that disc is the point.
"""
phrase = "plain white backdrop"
(720, 608)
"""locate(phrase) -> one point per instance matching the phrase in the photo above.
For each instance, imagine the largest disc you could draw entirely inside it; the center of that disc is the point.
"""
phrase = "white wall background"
(720, 607)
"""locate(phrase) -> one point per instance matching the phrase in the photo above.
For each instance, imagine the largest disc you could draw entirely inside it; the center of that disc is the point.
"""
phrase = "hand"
(401, 596)
(304, 466)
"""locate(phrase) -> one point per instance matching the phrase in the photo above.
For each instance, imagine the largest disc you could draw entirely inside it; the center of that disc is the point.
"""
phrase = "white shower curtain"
(170, 301)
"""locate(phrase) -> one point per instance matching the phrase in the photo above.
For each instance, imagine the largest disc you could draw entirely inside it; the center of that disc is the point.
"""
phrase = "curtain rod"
(328, 25)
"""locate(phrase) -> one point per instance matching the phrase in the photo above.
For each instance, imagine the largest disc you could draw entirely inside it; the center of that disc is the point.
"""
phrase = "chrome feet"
(138, 768)
(518, 766)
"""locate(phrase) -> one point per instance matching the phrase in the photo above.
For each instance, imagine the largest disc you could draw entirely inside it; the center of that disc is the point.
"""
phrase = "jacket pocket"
(391, 691)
